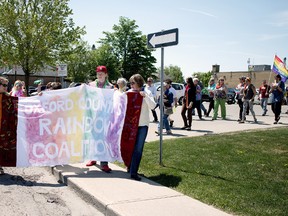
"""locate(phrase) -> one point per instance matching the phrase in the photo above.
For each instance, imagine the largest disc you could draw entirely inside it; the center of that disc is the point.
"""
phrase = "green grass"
(243, 173)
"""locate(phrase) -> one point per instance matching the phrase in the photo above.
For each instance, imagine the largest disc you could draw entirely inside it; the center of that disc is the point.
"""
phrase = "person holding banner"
(148, 103)
(18, 89)
(101, 82)
(277, 91)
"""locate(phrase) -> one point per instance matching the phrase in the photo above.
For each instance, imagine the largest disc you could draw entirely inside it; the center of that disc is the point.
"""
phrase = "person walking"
(277, 91)
(175, 99)
(167, 107)
(220, 94)
(101, 82)
(137, 82)
(263, 96)
(198, 98)
(188, 101)
(248, 99)
(150, 86)
(211, 88)
(239, 96)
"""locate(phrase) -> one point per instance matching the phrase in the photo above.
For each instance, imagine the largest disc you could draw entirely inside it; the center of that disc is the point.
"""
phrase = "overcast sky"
(224, 32)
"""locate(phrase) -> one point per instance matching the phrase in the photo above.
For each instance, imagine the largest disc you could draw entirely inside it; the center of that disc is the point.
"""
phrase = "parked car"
(31, 89)
(231, 96)
(179, 87)
(205, 95)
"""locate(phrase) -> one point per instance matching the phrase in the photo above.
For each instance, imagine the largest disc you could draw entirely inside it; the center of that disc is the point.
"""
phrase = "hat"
(101, 69)
(195, 79)
(248, 78)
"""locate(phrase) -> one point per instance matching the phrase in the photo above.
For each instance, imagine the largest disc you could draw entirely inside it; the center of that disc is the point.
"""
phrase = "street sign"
(62, 70)
(163, 38)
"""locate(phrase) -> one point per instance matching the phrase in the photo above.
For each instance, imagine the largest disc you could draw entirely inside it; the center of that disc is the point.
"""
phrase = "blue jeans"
(166, 122)
(263, 104)
(138, 149)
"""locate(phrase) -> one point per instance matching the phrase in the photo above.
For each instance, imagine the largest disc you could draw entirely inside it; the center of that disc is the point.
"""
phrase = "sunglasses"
(4, 85)
(221, 80)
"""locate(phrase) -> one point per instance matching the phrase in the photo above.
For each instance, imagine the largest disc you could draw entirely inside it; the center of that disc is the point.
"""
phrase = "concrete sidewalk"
(116, 194)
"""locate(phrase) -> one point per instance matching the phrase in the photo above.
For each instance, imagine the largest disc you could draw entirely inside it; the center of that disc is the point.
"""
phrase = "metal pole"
(161, 104)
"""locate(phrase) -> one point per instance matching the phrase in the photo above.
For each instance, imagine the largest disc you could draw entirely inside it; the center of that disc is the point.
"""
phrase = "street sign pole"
(161, 40)
(161, 105)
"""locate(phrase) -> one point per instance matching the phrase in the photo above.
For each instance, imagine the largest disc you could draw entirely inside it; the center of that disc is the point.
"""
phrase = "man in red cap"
(101, 82)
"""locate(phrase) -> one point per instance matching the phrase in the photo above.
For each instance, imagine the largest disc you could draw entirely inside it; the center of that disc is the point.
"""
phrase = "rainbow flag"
(279, 68)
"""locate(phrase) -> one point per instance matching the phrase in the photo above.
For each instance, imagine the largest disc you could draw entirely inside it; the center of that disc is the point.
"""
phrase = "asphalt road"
(34, 191)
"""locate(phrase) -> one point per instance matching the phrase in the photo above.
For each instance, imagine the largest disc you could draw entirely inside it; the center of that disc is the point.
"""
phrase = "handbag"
(168, 110)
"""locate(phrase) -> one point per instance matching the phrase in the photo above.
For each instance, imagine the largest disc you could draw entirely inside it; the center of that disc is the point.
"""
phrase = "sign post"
(62, 71)
(161, 40)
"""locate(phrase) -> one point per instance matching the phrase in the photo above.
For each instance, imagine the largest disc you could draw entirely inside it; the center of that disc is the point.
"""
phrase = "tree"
(203, 77)
(35, 33)
(172, 72)
(130, 49)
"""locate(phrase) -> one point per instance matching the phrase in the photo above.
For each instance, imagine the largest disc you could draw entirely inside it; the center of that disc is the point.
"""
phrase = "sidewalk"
(116, 194)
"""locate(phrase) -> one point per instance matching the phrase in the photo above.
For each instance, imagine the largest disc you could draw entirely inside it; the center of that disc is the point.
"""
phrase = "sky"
(223, 32)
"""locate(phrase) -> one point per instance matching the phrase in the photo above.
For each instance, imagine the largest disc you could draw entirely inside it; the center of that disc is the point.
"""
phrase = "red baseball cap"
(101, 69)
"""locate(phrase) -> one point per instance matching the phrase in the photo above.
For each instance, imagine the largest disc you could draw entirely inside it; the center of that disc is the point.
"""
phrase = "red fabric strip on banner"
(130, 127)
(8, 129)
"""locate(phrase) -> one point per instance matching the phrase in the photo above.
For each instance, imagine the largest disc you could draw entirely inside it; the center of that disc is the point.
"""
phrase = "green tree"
(203, 77)
(129, 47)
(105, 56)
(35, 33)
(172, 72)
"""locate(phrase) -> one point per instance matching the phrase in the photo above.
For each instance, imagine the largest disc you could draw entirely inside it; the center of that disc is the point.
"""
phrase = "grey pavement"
(116, 194)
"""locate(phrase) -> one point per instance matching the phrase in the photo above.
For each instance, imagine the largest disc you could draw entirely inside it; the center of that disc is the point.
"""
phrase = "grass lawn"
(243, 173)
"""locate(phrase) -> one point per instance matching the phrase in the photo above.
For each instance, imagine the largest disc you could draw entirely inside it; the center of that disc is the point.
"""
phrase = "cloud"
(199, 12)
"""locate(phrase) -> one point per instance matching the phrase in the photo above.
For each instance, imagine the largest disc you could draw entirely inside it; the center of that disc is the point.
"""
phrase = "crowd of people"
(192, 99)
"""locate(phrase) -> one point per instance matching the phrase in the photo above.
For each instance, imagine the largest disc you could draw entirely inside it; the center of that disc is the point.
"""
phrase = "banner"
(8, 125)
(69, 126)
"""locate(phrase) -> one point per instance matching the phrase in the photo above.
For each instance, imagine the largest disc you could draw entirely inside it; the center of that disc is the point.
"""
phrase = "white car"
(179, 87)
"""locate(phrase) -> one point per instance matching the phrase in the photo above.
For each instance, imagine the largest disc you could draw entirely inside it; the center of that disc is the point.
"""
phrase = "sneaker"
(239, 119)
(155, 121)
(1, 171)
(275, 122)
(188, 129)
(105, 168)
(136, 177)
(242, 121)
(91, 163)
(183, 128)
(171, 123)
(169, 132)
(255, 121)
